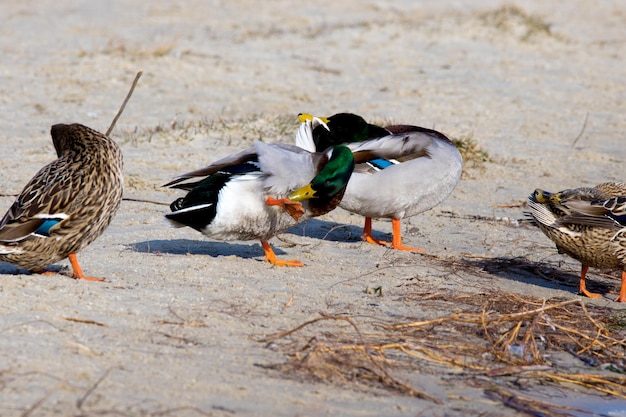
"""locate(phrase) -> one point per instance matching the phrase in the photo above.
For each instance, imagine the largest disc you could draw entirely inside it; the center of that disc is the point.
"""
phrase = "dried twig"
(141, 200)
(597, 382)
(472, 318)
(86, 321)
(530, 406)
(37, 403)
(182, 321)
(123, 106)
(290, 301)
(81, 400)
(510, 205)
(582, 130)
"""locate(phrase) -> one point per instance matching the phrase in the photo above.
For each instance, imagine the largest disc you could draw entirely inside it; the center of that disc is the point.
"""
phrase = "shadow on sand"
(7, 268)
(199, 245)
(541, 274)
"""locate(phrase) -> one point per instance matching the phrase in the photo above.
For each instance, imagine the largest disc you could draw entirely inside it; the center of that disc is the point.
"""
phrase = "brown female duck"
(67, 204)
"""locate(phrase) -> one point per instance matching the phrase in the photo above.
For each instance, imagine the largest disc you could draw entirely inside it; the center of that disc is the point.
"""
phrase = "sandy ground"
(175, 329)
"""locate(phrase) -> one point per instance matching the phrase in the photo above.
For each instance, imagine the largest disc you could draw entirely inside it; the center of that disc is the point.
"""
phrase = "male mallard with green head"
(67, 204)
(401, 170)
(262, 191)
(588, 224)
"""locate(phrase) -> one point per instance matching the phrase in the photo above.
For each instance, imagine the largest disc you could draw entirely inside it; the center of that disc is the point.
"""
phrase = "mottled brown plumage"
(67, 204)
(588, 224)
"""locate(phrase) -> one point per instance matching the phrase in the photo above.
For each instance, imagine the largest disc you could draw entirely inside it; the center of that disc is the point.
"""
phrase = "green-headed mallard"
(67, 204)
(588, 224)
(401, 170)
(262, 191)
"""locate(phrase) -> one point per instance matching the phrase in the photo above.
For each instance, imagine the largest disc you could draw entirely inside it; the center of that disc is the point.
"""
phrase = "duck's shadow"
(330, 231)
(10, 269)
(199, 247)
(314, 228)
(539, 273)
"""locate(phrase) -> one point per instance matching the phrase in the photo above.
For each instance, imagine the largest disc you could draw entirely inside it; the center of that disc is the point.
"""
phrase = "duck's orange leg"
(77, 271)
(270, 256)
(367, 234)
(621, 298)
(397, 238)
(582, 287)
(293, 208)
(396, 243)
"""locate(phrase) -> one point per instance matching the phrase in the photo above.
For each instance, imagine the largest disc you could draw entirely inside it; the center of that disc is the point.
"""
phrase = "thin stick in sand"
(119, 112)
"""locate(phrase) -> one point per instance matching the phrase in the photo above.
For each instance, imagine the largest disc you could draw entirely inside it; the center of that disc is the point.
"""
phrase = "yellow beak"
(303, 193)
(303, 117)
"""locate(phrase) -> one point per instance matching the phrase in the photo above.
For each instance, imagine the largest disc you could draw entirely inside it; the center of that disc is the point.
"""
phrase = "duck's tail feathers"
(197, 217)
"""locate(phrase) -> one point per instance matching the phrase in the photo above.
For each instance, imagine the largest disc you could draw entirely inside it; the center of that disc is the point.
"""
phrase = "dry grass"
(236, 132)
(242, 132)
(474, 156)
(512, 19)
(131, 50)
(495, 336)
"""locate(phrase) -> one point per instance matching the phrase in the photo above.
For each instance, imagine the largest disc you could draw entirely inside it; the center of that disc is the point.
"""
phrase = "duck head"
(331, 180)
(342, 128)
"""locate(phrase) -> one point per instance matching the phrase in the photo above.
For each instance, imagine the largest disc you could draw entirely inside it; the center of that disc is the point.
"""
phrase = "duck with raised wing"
(401, 170)
(261, 191)
(67, 204)
(588, 224)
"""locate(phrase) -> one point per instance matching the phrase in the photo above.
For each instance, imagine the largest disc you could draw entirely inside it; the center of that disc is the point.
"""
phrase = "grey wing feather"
(288, 166)
(401, 147)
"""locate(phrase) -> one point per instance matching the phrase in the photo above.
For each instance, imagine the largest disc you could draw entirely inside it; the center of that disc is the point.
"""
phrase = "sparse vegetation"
(119, 47)
(514, 20)
(242, 132)
(471, 151)
(474, 157)
(239, 131)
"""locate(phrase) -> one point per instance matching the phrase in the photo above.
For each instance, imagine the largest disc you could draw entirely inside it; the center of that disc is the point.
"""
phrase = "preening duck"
(261, 191)
(401, 170)
(588, 224)
(67, 204)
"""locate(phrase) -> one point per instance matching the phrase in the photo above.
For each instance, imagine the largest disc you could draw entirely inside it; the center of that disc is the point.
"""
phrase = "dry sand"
(175, 329)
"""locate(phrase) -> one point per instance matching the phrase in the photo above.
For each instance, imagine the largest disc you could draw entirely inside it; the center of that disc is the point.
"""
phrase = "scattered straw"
(497, 334)
(290, 301)
(529, 406)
